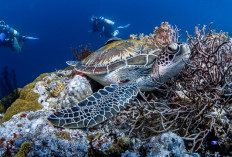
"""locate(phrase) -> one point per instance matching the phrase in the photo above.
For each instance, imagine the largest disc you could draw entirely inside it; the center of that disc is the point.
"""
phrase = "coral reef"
(109, 138)
(128, 154)
(206, 82)
(197, 104)
(190, 113)
(57, 87)
(42, 136)
(71, 89)
(167, 144)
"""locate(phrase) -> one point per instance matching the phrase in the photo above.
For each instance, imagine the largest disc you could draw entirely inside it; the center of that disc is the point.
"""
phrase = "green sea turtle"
(124, 67)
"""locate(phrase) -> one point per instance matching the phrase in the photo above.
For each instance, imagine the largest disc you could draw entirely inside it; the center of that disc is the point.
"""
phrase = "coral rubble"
(24, 121)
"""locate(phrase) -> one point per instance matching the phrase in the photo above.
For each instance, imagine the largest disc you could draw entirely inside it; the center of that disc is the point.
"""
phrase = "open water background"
(62, 23)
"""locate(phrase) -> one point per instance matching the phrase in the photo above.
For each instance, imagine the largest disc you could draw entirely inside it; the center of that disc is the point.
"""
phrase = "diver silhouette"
(105, 26)
(9, 37)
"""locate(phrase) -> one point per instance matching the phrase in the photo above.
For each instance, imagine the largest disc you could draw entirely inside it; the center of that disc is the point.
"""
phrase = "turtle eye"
(172, 48)
(169, 48)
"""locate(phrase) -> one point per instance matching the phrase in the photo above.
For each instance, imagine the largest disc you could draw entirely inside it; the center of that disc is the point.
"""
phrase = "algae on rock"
(25, 148)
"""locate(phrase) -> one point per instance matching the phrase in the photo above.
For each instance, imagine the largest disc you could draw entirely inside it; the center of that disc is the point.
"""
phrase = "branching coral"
(161, 36)
(206, 81)
(196, 103)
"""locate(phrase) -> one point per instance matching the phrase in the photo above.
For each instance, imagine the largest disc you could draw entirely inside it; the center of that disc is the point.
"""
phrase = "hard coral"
(58, 88)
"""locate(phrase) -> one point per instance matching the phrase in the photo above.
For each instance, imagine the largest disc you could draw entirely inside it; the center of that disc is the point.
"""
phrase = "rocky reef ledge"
(25, 130)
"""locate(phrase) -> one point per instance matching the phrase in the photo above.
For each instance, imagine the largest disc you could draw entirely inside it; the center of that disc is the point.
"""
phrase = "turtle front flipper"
(97, 108)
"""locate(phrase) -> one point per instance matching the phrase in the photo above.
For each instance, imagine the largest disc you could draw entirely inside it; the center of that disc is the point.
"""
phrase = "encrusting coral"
(57, 88)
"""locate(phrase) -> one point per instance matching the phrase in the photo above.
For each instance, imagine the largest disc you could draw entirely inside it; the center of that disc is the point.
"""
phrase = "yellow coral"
(134, 36)
(25, 148)
(2, 108)
(59, 87)
(27, 101)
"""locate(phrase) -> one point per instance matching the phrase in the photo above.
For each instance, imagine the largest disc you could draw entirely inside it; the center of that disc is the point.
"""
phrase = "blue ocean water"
(62, 23)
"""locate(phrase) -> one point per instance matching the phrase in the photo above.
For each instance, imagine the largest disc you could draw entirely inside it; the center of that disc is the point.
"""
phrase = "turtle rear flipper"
(97, 108)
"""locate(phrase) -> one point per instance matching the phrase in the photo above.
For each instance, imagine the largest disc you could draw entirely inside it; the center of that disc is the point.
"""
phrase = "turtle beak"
(184, 50)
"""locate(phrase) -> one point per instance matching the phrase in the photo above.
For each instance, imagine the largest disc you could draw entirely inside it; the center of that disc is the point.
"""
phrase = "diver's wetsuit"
(11, 38)
(100, 25)
(6, 40)
(105, 26)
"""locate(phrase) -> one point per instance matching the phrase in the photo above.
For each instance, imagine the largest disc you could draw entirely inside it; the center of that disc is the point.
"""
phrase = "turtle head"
(170, 62)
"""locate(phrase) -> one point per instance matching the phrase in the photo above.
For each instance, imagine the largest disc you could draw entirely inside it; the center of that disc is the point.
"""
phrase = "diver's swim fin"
(126, 26)
(72, 63)
(31, 38)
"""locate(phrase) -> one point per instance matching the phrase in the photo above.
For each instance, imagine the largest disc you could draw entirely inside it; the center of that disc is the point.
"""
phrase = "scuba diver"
(9, 37)
(105, 26)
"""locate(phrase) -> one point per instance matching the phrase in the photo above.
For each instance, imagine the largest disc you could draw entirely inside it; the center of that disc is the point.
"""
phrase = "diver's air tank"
(13, 31)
